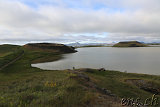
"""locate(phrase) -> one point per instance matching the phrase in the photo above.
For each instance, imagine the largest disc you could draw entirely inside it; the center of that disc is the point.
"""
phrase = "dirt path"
(105, 99)
(11, 62)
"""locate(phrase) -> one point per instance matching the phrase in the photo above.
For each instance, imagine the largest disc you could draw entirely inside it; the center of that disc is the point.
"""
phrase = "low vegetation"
(24, 86)
(9, 53)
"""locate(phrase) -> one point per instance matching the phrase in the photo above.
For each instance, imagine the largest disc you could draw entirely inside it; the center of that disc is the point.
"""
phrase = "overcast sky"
(66, 21)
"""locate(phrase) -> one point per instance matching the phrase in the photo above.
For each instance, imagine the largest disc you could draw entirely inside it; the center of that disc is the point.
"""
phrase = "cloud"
(51, 20)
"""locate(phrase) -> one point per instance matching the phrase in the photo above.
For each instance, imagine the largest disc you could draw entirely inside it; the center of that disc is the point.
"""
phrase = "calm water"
(136, 60)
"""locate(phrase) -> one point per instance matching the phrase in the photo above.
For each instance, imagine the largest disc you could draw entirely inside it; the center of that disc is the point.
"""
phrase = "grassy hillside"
(24, 86)
(9, 53)
(130, 44)
(50, 47)
(7, 49)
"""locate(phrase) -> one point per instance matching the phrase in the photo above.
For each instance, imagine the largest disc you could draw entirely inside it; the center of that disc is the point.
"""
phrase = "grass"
(9, 57)
(4, 54)
(8, 48)
(32, 89)
(24, 86)
(115, 81)
(8, 53)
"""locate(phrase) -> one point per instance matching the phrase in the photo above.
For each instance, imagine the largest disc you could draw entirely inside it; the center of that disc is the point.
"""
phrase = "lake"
(144, 60)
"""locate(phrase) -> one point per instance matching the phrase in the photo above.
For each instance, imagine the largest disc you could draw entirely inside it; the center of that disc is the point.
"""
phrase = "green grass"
(4, 54)
(7, 48)
(24, 86)
(115, 81)
(9, 53)
(9, 57)
(32, 89)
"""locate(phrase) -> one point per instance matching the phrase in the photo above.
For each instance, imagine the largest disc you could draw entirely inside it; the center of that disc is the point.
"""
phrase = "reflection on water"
(138, 60)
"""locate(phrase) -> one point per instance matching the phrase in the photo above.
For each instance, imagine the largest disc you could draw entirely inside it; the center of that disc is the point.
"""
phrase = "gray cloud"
(137, 20)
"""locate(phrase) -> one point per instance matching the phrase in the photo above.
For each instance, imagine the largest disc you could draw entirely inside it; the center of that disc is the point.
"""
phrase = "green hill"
(52, 47)
(129, 44)
(8, 53)
(7, 48)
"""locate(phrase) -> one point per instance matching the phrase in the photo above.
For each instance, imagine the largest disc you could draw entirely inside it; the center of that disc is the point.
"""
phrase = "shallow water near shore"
(145, 60)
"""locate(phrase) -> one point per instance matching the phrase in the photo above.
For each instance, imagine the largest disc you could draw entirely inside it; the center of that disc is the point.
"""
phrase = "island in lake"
(130, 44)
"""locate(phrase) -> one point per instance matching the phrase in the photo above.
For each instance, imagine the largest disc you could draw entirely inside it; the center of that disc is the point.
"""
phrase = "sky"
(84, 21)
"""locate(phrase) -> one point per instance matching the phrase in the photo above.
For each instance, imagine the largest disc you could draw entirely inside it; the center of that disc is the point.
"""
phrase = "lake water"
(144, 60)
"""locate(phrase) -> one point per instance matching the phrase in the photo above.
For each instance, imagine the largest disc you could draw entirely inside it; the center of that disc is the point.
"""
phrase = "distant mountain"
(77, 44)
